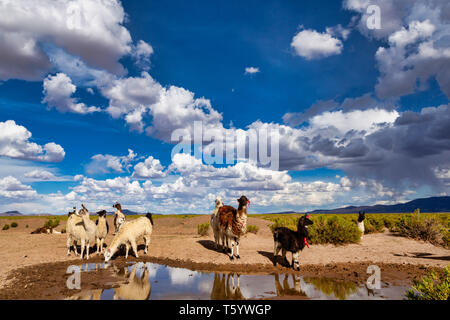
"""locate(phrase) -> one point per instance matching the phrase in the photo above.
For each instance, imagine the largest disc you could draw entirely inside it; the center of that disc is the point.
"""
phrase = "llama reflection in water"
(136, 288)
(224, 287)
(286, 289)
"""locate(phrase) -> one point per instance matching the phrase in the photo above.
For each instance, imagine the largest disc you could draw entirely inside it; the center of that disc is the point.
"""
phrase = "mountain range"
(432, 204)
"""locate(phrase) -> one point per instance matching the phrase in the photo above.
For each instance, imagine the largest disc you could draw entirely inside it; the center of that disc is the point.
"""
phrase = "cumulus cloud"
(15, 143)
(58, 90)
(42, 175)
(141, 53)
(311, 44)
(89, 29)
(418, 46)
(251, 70)
(149, 169)
(105, 163)
(11, 188)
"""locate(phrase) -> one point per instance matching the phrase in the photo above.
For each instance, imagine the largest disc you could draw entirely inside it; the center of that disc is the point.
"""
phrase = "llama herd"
(228, 224)
(81, 229)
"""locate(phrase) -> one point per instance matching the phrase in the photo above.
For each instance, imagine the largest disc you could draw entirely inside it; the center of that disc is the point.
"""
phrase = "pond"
(161, 282)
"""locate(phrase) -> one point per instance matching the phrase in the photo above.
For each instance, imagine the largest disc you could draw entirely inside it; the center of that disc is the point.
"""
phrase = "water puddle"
(160, 282)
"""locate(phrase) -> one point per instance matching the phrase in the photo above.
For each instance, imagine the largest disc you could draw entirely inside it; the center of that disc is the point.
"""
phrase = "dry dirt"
(175, 242)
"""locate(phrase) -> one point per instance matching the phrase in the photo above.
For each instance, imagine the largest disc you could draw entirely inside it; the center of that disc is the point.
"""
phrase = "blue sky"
(361, 112)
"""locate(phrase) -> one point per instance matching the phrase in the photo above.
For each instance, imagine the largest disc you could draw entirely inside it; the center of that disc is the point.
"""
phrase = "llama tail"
(149, 217)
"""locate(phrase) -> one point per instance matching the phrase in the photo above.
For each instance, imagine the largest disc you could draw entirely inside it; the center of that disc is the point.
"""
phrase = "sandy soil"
(175, 242)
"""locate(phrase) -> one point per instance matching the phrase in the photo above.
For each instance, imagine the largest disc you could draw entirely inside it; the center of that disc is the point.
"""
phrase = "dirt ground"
(175, 242)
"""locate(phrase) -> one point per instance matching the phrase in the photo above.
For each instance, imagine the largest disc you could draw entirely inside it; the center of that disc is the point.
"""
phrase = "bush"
(446, 238)
(6, 227)
(434, 286)
(333, 229)
(26, 226)
(374, 224)
(253, 229)
(52, 223)
(14, 225)
(417, 226)
(203, 229)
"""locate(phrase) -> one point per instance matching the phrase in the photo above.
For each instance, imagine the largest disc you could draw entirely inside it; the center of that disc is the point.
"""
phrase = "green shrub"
(374, 224)
(14, 225)
(446, 238)
(26, 226)
(434, 286)
(6, 227)
(52, 223)
(253, 229)
(203, 229)
(417, 226)
(334, 229)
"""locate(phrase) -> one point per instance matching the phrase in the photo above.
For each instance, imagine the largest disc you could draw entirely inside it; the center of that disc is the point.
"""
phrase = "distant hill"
(10, 214)
(432, 204)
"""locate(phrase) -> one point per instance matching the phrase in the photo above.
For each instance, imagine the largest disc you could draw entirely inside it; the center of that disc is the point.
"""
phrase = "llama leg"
(127, 249)
(237, 248)
(83, 243)
(147, 242)
(276, 249)
(295, 263)
(232, 250)
(75, 244)
(134, 247)
(69, 242)
(98, 245)
(283, 252)
(88, 245)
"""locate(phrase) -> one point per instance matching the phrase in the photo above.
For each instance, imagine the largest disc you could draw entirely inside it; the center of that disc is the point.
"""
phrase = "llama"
(215, 221)
(102, 230)
(129, 233)
(294, 241)
(233, 224)
(90, 229)
(76, 232)
(119, 217)
(360, 223)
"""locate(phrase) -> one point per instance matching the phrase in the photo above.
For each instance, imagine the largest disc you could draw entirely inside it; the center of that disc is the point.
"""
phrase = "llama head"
(108, 254)
(83, 211)
(72, 212)
(243, 201)
(101, 213)
(219, 202)
(304, 221)
(362, 216)
(117, 206)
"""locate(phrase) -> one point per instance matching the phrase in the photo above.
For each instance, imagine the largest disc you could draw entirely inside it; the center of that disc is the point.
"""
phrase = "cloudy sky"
(91, 91)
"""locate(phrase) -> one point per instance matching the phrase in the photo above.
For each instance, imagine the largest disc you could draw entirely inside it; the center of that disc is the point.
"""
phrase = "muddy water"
(155, 281)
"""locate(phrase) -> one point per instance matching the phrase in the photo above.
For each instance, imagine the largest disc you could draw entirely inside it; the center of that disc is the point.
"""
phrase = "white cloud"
(149, 169)
(418, 50)
(14, 143)
(58, 90)
(11, 188)
(311, 44)
(87, 28)
(251, 70)
(103, 163)
(141, 53)
(41, 175)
